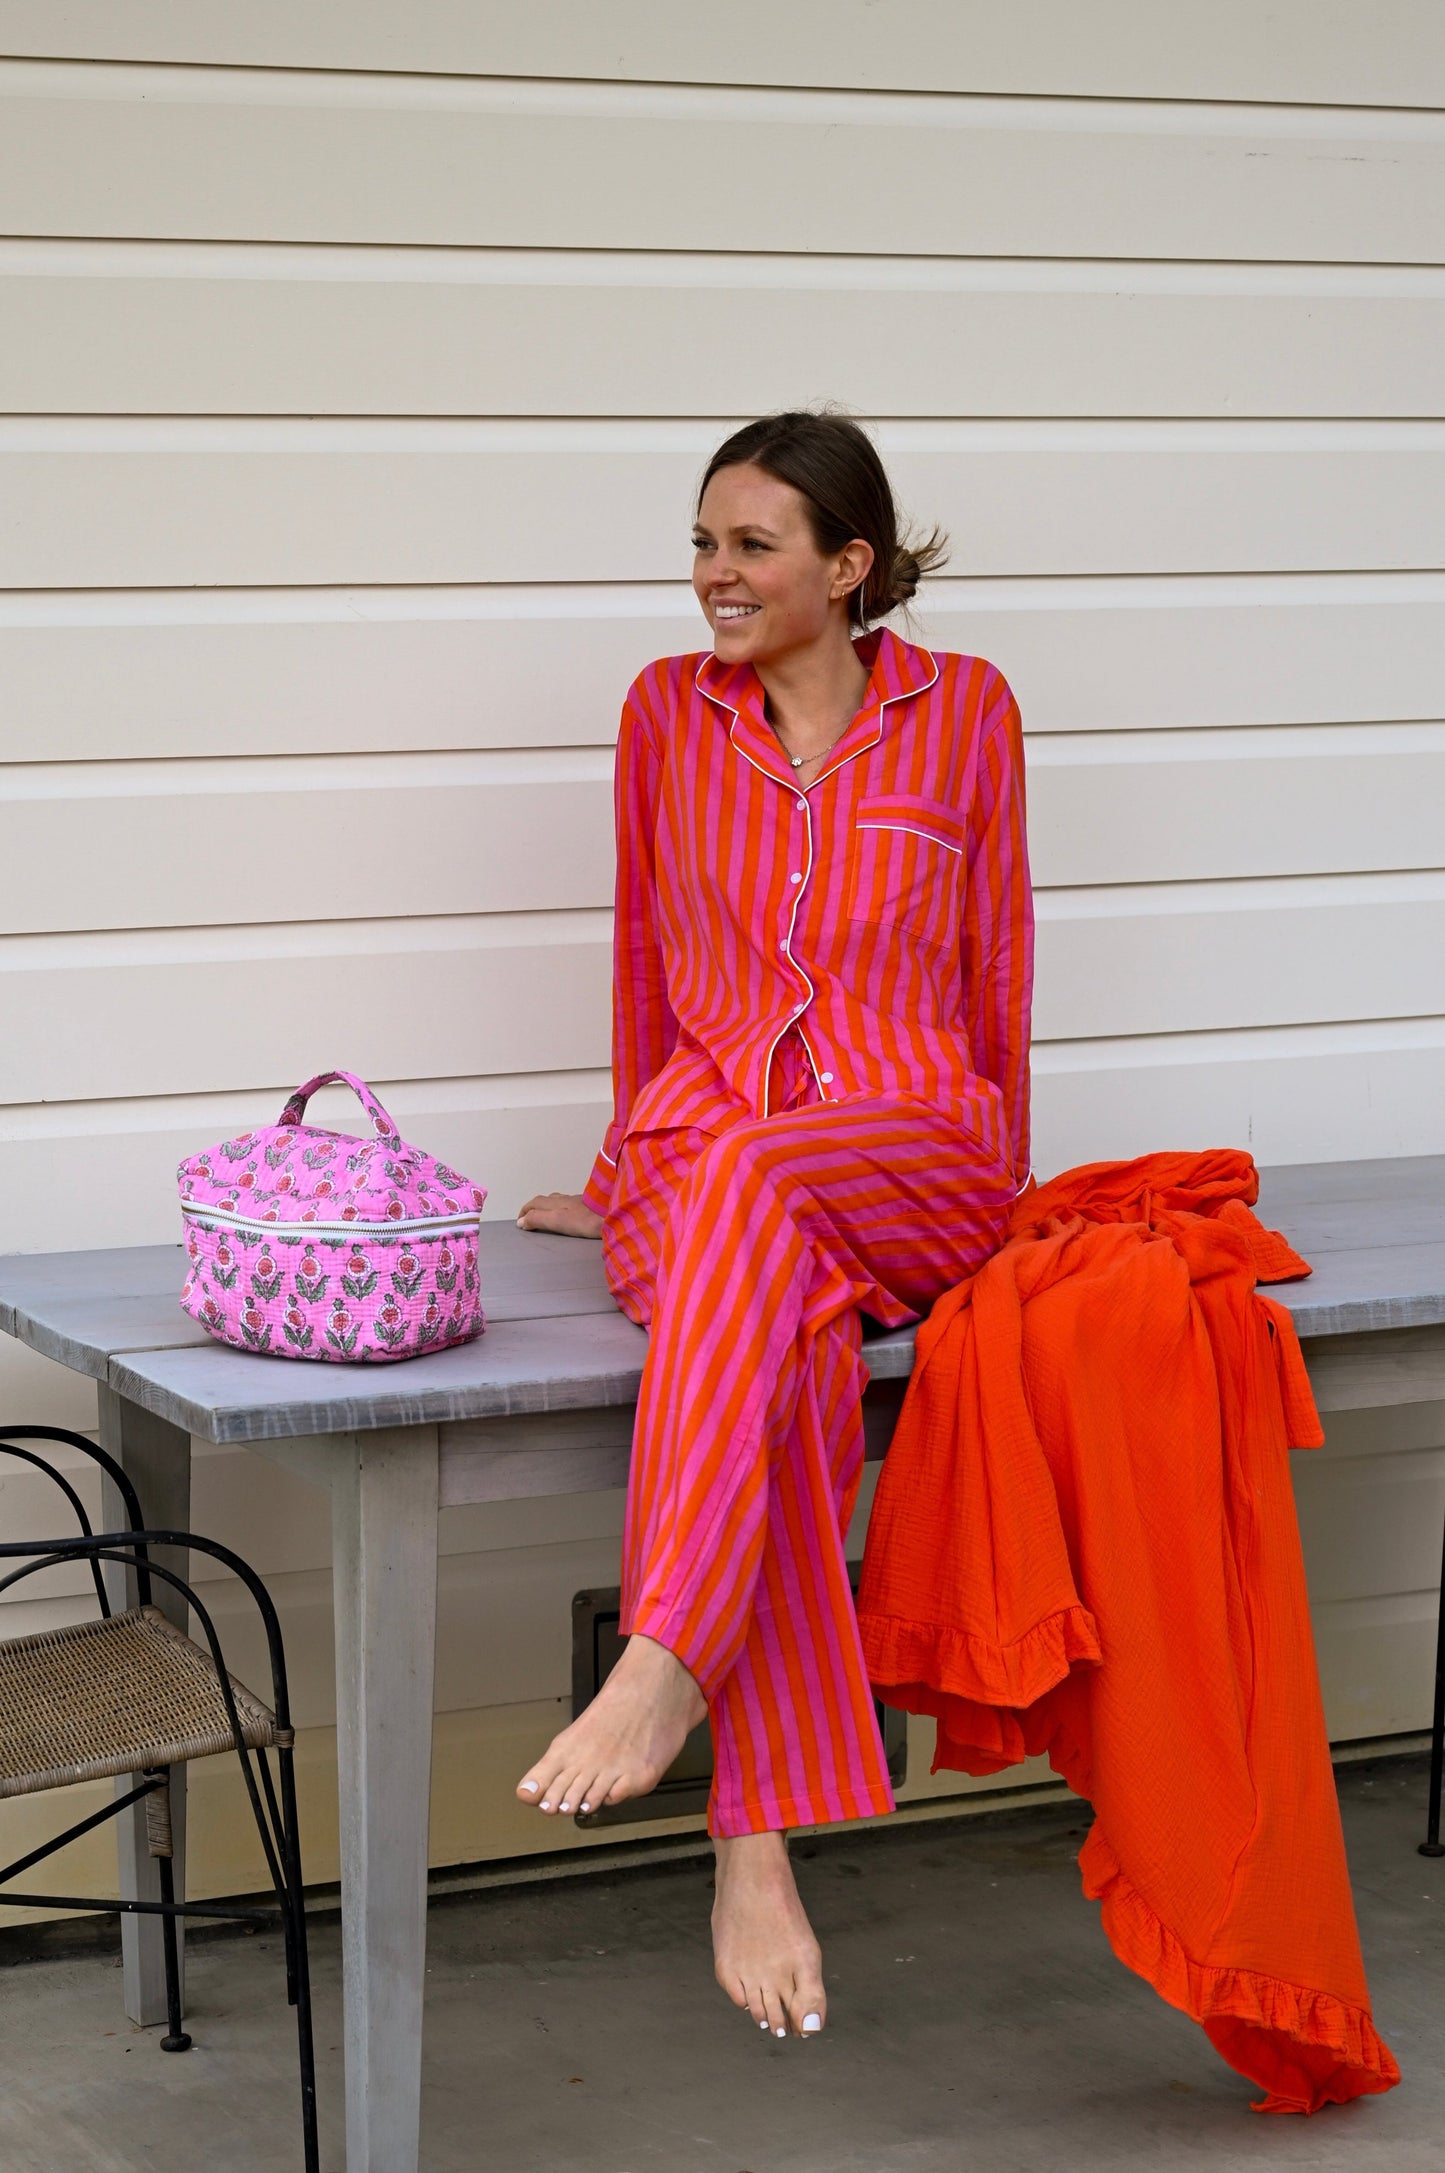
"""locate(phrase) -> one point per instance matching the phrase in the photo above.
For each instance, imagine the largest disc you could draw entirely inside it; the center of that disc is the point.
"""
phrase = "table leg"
(384, 1565)
(156, 1456)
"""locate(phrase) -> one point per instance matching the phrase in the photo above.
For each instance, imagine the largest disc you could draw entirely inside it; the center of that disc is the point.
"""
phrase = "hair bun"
(907, 572)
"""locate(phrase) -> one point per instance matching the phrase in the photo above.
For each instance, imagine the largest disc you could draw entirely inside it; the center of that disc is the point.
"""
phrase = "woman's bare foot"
(763, 1946)
(627, 1738)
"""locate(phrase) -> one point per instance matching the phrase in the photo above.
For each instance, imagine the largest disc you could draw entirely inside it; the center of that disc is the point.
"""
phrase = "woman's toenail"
(584, 1807)
(564, 1806)
(531, 1787)
(811, 2023)
(762, 2025)
(545, 1804)
(780, 2033)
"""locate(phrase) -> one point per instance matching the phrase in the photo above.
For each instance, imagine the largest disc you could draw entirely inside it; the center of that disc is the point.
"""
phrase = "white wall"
(355, 370)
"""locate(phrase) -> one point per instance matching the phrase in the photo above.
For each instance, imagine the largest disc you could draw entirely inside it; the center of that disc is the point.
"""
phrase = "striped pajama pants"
(749, 1252)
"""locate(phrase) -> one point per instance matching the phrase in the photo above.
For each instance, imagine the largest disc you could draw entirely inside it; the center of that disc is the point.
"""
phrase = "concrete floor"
(977, 2020)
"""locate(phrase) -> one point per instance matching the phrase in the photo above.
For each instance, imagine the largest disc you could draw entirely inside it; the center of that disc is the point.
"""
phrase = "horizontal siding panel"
(432, 332)
(386, 837)
(36, 1390)
(1157, 959)
(171, 673)
(1186, 957)
(1288, 1094)
(1371, 1524)
(1198, 805)
(211, 155)
(113, 1163)
(459, 998)
(1377, 1662)
(205, 844)
(1391, 54)
(181, 518)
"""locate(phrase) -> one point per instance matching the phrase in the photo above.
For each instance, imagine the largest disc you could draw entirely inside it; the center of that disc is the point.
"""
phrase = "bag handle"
(295, 1109)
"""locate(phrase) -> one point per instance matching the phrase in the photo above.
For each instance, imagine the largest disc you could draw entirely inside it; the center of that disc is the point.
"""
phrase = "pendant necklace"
(797, 761)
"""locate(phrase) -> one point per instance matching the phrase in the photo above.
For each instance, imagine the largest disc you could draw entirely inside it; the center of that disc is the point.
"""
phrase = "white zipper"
(434, 1224)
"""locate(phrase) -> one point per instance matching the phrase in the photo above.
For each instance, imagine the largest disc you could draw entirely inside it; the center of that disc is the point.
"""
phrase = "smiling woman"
(795, 514)
(822, 976)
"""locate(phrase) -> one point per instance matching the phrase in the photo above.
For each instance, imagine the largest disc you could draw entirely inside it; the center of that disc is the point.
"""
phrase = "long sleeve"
(644, 1030)
(998, 922)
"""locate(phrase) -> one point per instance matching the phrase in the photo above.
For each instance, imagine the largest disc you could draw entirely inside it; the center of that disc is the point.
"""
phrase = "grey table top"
(1374, 1232)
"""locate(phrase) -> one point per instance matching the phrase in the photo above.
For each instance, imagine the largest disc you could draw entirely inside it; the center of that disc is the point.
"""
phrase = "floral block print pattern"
(304, 1243)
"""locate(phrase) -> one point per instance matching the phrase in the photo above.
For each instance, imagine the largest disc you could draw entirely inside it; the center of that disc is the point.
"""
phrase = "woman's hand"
(565, 1212)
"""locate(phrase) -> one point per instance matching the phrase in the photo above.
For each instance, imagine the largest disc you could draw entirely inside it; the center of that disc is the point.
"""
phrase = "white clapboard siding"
(272, 155)
(1371, 1523)
(1292, 1093)
(1287, 1093)
(1147, 960)
(358, 836)
(1390, 54)
(173, 845)
(1186, 957)
(513, 992)
(113, 1161)
(165, 672)
(268, 505)
(356, 370)
(196, 329)
(1157, 807)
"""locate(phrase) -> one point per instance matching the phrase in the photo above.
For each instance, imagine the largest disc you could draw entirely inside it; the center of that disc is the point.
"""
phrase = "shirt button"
(784, 944)
(804, 805)
(795, 878)
(826, 1077)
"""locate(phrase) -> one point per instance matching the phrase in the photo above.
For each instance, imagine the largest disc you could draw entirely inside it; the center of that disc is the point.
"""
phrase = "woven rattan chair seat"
(113, 1697)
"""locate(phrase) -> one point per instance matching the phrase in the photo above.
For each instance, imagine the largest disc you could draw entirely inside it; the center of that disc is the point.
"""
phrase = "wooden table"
(541, 1404)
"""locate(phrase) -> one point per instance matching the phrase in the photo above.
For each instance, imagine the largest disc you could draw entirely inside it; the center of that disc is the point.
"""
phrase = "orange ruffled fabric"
(1084, 1545)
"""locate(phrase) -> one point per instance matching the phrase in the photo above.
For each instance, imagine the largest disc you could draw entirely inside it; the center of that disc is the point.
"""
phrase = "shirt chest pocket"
(905, 865)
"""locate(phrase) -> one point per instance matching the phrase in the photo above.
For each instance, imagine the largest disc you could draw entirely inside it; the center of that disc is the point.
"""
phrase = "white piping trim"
(802, 800)
(404, 1226)
(607, 1157)
(800, 792)
(792, 782)
(913, 831)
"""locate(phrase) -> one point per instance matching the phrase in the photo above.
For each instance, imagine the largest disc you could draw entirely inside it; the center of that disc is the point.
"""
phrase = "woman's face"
(765, 588)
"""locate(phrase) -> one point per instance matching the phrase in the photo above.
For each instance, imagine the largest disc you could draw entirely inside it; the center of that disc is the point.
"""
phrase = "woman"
(820, 1060)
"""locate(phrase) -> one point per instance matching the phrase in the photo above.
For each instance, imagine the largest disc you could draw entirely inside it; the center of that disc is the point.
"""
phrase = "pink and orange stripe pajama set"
(820, 1066)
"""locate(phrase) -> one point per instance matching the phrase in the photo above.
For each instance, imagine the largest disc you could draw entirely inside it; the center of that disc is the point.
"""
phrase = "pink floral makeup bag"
(306, 1243)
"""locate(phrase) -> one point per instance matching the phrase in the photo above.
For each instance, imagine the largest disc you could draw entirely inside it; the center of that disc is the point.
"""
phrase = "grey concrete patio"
(978, 2019)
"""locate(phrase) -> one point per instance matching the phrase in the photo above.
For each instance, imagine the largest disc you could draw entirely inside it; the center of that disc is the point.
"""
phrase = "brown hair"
(834, 465)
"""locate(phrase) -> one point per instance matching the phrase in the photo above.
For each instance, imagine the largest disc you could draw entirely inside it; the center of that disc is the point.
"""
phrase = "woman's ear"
(852, 565)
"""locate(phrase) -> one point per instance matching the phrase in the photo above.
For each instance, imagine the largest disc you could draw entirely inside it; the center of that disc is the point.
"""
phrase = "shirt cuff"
(597, 1192)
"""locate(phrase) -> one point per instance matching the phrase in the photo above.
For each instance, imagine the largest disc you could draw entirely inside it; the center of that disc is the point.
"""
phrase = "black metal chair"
(131, 1693)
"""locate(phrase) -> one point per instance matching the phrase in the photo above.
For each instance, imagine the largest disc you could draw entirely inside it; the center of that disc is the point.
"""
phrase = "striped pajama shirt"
(820, 1070)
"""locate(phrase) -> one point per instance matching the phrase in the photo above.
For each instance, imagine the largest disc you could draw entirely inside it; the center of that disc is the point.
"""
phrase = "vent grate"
(597, 1644)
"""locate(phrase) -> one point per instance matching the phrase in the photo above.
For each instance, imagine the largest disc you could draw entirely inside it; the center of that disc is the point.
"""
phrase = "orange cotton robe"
(1084, 1544)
